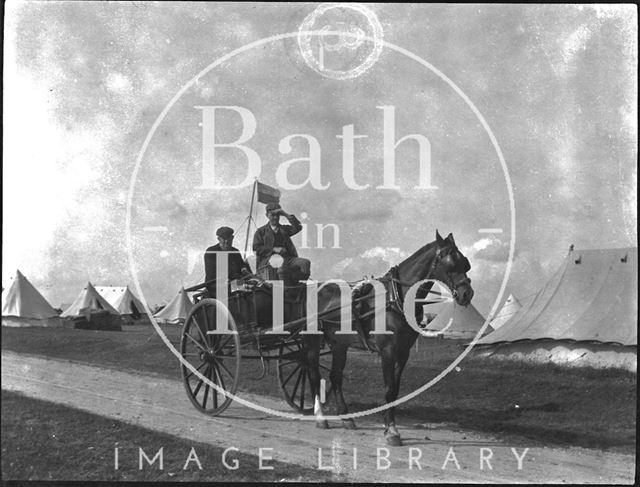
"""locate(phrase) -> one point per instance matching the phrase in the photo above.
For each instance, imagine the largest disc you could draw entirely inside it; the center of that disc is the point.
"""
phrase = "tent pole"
(253, 193)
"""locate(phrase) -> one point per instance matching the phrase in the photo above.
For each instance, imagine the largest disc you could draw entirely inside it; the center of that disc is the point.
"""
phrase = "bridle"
(395, 298)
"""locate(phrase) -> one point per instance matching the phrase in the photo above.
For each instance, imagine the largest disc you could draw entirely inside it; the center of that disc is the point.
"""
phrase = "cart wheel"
(215, 357)
(293, 376)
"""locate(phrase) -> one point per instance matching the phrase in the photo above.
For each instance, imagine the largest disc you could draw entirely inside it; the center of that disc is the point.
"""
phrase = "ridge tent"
(125, 302)
(176, 310)
(509, 308)
(91, 311)
(586, 315)
(23, 305)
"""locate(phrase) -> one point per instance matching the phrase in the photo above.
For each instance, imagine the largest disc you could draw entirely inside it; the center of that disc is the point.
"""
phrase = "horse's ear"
(439, 239)
(450, 239)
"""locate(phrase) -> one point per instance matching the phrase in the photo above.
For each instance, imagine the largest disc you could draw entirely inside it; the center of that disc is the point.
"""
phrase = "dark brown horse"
(440, 260)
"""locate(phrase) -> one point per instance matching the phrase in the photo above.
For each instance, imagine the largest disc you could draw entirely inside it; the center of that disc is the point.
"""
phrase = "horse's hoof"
(349, 424)
(394, 440)
(323, 425)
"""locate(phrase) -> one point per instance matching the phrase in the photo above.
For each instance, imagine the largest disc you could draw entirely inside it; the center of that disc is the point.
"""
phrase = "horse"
(440, 260)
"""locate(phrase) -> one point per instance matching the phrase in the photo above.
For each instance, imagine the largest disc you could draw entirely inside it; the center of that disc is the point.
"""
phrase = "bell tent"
(90, 310)
(23, 305)
(177, 310)
(125, 302)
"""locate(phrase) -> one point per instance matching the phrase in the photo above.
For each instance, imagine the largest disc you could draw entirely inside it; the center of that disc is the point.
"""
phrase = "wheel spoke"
(219, 362)
(220, 345)
(283, 364)
(197, 344)
(284, 382)
(206, 325)
(220, 382)
(213, 341)
(197, 368)
(202, 335)
(304, 382)
(197, 389)
(206, 389)
(220, 379)
(295, 388)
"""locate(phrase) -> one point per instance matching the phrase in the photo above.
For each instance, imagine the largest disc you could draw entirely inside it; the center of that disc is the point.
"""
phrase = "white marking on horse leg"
(317, 408)
(323, 386)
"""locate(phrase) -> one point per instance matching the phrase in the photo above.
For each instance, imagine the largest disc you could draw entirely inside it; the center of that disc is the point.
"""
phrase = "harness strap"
(395, 300)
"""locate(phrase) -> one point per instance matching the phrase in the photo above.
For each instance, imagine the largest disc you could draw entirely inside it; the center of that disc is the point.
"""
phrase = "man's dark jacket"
(235, 262)
(263, 241)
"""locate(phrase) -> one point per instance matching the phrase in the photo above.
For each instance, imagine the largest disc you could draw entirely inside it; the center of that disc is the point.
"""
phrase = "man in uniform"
(237, 267)
(274, 238)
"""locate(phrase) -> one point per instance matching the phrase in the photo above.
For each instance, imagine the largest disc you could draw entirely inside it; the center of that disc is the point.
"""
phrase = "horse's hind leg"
(338, 361)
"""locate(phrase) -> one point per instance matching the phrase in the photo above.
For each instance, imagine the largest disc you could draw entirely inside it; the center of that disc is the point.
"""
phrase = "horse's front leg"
(338, 361)
(312, 347)
(392, 366)
(391, 433)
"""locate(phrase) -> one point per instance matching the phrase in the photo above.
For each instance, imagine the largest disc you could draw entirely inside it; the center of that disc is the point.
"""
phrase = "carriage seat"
(291, 276)
(268, 273)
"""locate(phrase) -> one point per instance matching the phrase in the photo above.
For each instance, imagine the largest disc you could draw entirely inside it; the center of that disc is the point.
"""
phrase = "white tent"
(509, 308)
(177, 309)
(23, 305)
(455, 321)
(88, 300)
(586, 315)
(124, 301)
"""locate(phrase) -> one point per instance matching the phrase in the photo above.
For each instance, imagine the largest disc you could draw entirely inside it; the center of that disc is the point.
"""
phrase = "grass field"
(39, 438)
(543, 404)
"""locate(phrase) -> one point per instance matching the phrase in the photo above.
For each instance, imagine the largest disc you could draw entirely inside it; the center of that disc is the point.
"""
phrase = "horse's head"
(451, 267)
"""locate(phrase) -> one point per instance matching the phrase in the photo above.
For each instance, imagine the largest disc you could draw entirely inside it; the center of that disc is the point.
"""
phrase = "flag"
(267, 194)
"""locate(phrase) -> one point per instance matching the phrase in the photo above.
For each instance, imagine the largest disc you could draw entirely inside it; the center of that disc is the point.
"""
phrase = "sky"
(103, 110)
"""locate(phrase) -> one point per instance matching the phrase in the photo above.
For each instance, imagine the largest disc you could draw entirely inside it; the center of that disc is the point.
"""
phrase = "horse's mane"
(419, 253)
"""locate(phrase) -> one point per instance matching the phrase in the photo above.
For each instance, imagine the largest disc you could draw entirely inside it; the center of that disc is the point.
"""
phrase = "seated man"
(237, 266)
(274, 238)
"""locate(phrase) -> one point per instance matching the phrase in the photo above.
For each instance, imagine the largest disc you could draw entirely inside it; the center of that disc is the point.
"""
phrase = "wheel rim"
(215, 357)
(293, 377)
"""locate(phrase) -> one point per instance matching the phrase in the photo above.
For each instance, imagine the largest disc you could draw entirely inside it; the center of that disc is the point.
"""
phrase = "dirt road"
(439, 454)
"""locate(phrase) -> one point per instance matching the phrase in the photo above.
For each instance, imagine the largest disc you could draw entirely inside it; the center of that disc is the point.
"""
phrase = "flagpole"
(246, 241)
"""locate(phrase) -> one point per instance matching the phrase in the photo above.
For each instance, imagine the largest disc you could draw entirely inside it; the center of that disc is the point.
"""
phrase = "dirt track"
(161, 404)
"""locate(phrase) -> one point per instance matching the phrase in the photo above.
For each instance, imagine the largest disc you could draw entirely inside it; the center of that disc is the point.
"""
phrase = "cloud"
(489, 248)
(576, 41)
(374, 261)
(360, 267)
(369, 212)
(118, 83)
(391, 255)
